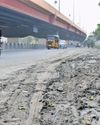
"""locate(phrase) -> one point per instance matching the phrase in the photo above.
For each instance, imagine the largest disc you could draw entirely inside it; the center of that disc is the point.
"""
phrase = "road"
(14, 60)
(50, 87)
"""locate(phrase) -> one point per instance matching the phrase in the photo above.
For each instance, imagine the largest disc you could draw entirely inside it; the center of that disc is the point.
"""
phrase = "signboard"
(35, 29)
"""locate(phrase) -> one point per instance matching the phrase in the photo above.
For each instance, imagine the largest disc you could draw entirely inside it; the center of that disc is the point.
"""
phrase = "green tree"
(97, 32)
(90, 41)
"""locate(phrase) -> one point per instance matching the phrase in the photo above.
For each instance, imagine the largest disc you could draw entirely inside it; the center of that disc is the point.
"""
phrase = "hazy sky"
(87, 12)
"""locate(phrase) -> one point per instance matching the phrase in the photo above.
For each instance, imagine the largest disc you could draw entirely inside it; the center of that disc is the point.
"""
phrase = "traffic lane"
(12, 61)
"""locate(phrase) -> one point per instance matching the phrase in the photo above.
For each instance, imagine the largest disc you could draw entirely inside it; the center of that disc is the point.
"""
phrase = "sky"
(86, 12)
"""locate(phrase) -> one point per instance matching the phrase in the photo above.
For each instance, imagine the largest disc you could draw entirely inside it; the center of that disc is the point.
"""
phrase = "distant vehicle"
(78, 45)
(52, 41)
(62, 44)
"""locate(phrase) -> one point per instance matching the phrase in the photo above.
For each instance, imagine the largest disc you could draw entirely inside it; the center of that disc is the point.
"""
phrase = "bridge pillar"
(52, 18)
(0, 42)
(0, 36)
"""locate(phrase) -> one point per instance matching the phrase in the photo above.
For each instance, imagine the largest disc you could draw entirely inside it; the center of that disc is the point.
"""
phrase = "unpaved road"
(61, 88)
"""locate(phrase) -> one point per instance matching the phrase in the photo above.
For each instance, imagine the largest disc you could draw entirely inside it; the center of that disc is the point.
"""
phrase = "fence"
(22, 46)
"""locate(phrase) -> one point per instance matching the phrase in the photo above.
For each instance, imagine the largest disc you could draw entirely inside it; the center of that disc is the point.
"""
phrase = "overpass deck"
(34, 16)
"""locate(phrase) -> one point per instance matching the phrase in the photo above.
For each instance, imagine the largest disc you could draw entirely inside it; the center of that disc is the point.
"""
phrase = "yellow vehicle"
(52, 41)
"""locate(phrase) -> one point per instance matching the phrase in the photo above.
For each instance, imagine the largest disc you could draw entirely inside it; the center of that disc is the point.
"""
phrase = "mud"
(64, 90)
(74, 98)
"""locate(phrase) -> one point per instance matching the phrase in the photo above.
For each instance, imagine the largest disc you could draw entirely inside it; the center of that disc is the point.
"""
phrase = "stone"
(97, 85)
(60, 89)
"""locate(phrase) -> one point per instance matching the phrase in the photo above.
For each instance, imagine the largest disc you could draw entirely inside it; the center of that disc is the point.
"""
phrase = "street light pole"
(55, 6)
(73, 10)
(56, 1)
(59, 5)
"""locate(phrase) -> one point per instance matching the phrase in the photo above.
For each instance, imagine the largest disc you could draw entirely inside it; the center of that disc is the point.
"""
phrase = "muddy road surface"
(60, 89)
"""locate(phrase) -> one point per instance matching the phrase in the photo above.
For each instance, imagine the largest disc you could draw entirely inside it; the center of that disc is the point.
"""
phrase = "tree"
(97, 32)
(99, 3)
(90, 41)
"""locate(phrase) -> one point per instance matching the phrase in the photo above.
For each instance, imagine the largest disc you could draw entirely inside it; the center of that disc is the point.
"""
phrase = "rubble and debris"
(63, 92)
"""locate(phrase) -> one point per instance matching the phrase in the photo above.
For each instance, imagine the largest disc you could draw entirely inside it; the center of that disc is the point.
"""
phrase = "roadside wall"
(24, 43)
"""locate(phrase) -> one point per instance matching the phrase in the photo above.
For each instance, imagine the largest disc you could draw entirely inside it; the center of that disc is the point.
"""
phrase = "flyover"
(19, 18)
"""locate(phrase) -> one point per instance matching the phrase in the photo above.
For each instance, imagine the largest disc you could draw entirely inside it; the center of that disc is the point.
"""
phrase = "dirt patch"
(74, 97)
(64, 90)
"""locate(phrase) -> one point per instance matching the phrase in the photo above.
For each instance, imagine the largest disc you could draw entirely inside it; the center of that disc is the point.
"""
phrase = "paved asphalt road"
(15, 60)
